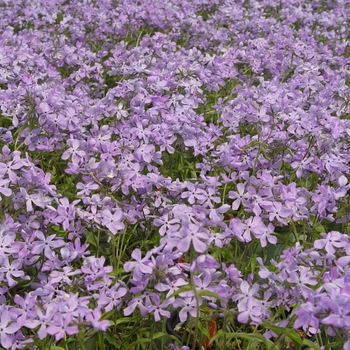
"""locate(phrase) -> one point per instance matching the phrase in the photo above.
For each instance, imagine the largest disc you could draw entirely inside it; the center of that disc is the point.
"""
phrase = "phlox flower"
(111, 298)
(330, 240)
(170, 286)
(278, 212)
(34, 198)
(266, 235)
(4, 189)
(193, 234)
(253, 225)
(251, 311)
(247, 294)
(138, 302)
(7, 329)
(11, 269)
(188, 306)
(301, 277)
(166, 224)
(94, 318)
(140, 265)
(306, 317)
(113, 221)
(238, 196)
(62, 324)
(74, 150)
(158, 307)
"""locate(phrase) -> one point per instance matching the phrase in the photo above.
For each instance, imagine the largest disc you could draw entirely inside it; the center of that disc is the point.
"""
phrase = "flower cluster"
(154, 155)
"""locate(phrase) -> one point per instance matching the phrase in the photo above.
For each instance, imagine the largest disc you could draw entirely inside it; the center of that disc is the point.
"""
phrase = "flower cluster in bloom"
(154, 155)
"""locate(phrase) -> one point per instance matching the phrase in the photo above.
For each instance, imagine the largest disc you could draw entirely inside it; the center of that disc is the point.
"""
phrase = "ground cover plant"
(188, 156)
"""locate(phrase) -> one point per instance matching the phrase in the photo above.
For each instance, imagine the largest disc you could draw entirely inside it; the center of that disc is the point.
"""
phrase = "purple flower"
(248, 294)
(63, 276)
(238, 197)
(136, 302)
(302, 276)
(26, 310)
(145, 153)
(188, 305)
(85, 189)
(307, 316)
(267, 235)
(140, 266)
(253, 225)
(170, 286)
(250, 310)
(46, 244)
(158, 308)
(7, 329)
(61, 325)
(75, 151)
(43, 320)
(330, 240)
(113, 221)
(35, 198)
(193, 192)
(193, 234)
(207, 198)
(94, 319)
(165, 224)
(95, 270)
(279, 212)
(4, 189)
(112, 298)
(10, 270)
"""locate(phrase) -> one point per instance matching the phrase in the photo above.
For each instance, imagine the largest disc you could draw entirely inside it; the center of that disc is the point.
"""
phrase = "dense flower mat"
(160, 155)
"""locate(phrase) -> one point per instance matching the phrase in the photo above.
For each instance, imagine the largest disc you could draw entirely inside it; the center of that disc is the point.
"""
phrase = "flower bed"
(179, 155)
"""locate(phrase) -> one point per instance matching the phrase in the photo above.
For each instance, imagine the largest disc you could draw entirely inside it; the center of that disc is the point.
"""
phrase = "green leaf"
(159, 335)
(218, 334)
(181, 290)
(140, 341)
(252, 144)
(290, 334)
(57, 348)
(120, 321)
(320, 229)
(253, 345)
(293, 336)
(111, 340)
(203, 329)
(310, 344)
(281, 238)
(116, 272)
(253, 336)
(206, 293)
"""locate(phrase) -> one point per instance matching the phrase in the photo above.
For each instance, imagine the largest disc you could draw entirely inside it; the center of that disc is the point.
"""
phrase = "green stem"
(81, 340)
(197, 307)
(151, 335)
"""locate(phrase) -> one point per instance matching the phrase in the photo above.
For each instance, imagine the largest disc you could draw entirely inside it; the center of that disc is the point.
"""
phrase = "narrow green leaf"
(180, 290)
(140, 341)
(281, 237)
(252, 336)
(310, 344)
(160, 335)
(251, 144)
(294, 336)
(253, 345)
(207, 293)
(111, 340)
(121, 320)
(203, 329)
(218, 334)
